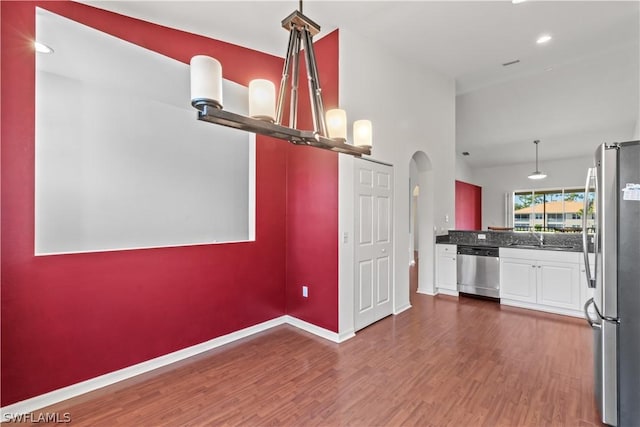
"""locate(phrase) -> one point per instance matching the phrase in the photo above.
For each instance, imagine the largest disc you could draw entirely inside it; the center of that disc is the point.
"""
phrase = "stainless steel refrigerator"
(614, 311)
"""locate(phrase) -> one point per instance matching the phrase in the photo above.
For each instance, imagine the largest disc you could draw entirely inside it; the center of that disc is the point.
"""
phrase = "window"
(552, 210)
(555, 220)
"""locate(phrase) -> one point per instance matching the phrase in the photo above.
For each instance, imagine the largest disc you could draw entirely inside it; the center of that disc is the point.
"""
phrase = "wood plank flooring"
(445, 362)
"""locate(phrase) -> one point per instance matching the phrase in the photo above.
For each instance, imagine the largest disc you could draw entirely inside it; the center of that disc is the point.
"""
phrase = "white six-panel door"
(373, 242)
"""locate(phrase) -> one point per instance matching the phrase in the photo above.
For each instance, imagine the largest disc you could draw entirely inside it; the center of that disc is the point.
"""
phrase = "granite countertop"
(515, 240)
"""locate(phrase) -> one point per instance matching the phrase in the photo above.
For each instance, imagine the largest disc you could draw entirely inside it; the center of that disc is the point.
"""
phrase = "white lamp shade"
(206, 79)
(42, 48)
(362, 133)
(337, 123)
(262, 99)
(537, 175)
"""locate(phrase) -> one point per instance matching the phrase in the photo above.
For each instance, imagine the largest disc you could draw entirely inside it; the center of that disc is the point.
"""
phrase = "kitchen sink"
(544, 247)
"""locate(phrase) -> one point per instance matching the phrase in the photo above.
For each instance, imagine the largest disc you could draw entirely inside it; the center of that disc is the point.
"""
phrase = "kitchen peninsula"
(537, 271)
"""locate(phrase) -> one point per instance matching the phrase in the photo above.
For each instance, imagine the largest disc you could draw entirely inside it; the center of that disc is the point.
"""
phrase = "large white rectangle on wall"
(121, 160)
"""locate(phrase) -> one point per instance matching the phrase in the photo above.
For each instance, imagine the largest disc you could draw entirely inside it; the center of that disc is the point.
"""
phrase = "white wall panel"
(412, 109)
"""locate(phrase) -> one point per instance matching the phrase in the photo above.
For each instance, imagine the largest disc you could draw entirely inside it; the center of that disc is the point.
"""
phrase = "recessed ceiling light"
(42, 48)
(543, 39)
(518, 1)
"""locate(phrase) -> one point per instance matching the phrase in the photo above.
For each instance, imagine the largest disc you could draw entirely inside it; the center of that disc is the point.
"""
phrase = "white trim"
(252, 187)
(311, 328)
(347, 335)
(545, 308)
(380, 162)
(346, 235)
(143, 248)
(401, 309)
(426, 292)
(449, 292)
(56, 396)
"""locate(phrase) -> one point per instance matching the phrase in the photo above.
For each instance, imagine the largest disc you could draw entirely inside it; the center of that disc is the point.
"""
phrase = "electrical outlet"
(482, 236)
(305, 291)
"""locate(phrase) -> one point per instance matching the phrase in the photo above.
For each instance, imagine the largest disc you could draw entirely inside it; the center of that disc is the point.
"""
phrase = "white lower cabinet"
(446, 269)
(559, 284)
(517, 280)
(541, 280)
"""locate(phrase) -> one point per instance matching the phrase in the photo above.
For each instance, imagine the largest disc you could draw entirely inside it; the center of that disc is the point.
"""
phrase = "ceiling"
(573, 93)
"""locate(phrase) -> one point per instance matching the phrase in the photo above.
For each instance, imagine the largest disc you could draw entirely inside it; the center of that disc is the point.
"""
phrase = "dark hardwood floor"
(445, 362)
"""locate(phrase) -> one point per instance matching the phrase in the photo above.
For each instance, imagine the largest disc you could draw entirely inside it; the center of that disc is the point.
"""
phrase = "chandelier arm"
(285, 76)
(308, 59)
(315, 92)
(300, 137)
(293, 110)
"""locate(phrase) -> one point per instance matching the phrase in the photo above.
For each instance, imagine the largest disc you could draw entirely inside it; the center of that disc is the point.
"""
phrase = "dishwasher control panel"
(491, 251)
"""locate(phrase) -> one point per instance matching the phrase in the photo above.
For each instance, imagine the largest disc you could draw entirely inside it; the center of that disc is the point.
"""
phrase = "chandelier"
(265, 113)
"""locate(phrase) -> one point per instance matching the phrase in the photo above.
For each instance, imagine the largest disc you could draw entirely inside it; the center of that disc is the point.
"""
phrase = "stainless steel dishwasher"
(479, 270)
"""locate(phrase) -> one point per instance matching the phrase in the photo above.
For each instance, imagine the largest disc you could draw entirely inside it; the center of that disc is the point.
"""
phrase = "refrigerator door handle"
(591, 281)
(592, 323)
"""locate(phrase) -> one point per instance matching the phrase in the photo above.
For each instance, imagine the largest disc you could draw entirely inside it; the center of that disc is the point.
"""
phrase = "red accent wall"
(468, 206)
(68, 318)
(312, 210)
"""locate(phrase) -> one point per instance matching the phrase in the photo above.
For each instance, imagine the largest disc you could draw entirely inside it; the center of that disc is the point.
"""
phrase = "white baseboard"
(430, 292)
(343, 336)
(538, 307)
(449, 292)
(401, 309)
(29, 405)
(310, 327)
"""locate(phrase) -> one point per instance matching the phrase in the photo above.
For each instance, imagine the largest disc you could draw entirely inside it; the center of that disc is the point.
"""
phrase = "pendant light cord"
(535, 142)
(300, 6)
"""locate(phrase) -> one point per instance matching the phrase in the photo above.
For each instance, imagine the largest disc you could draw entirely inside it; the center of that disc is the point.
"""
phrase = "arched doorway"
(421, 233)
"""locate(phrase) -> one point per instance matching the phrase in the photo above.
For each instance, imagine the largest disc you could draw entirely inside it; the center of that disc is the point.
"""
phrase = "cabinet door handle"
(533, 266)
(539, 266)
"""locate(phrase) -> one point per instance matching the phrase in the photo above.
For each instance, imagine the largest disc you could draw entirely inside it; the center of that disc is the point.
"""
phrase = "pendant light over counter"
(266, 110)
(537, 174)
